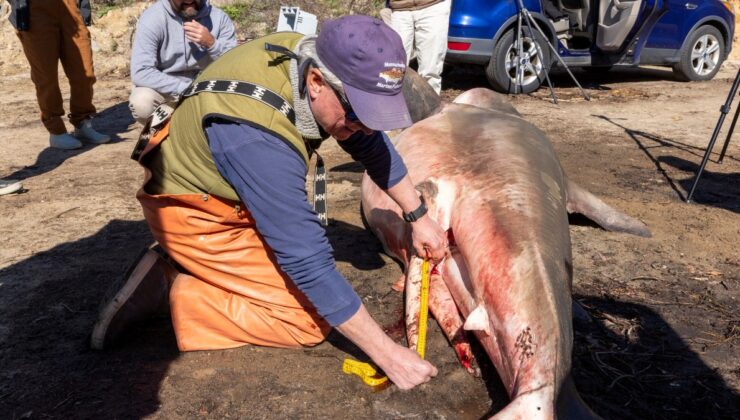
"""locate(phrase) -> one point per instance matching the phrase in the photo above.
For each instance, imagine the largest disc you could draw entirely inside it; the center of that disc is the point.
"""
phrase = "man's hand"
(403, 366)
(428, 239)
(406, 369)
(195, 32)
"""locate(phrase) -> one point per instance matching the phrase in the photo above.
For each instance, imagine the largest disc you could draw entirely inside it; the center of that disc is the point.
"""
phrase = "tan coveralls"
(57, 32)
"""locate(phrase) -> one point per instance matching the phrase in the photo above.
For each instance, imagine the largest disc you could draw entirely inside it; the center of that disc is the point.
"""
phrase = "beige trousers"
(424, 35)
(143, 101)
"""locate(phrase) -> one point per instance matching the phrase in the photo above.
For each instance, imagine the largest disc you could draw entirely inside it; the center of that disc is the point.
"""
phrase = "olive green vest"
(184, 164)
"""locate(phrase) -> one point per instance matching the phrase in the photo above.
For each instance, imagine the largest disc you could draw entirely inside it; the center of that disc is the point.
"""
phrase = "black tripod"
(525, 17)
(725, 109)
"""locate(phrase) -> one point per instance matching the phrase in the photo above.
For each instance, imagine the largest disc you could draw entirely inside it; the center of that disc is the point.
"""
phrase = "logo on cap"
(391, 78)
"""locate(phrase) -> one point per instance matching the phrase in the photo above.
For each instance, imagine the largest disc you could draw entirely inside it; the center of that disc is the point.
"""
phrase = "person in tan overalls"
(50, 32)
(225, 197)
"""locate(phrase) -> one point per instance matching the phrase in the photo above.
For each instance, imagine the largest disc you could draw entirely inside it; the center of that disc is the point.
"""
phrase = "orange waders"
(234, 293)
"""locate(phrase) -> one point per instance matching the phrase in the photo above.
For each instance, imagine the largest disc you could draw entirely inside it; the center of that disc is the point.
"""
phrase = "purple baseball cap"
(368, 57)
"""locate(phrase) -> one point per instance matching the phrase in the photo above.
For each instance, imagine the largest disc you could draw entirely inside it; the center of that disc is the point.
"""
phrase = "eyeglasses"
(349, 113)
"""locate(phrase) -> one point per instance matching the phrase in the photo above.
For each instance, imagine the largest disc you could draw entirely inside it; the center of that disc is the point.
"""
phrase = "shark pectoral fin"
(583, 202)
(478, 321)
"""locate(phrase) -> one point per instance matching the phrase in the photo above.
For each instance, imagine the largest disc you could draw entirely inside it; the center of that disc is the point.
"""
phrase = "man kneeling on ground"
(175, 39)
(225, 197)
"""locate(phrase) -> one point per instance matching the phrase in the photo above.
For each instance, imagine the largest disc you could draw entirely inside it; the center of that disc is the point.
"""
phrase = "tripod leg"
(723, 113)
(560, 59)
(518, 76)
(537, 48)
(729, 135)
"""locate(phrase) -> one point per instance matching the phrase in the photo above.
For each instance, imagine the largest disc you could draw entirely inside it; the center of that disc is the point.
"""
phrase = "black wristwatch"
(416, 214)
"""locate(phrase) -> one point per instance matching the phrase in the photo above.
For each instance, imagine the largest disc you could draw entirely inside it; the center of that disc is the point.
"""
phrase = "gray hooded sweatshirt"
(163, 59)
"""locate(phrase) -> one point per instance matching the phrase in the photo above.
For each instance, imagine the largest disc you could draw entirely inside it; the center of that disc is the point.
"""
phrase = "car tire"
(501, 69)
(702, 55)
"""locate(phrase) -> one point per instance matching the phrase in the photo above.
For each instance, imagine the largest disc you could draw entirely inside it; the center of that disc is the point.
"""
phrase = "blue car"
(692, 36)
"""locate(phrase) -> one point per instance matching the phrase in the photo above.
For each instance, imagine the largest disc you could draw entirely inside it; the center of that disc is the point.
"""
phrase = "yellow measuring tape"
(366, 371)
(423, 310)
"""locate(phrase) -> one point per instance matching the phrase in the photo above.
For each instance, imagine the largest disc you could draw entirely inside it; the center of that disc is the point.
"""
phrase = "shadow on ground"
(464, 77)
(113, 121)
(596, 78)
(639, 367)
(353, 167)
(355, 245)
(714, 189)
(49, 304)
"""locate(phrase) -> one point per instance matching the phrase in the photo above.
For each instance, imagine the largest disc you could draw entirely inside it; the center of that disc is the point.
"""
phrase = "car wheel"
(502, 69)
(702, 55)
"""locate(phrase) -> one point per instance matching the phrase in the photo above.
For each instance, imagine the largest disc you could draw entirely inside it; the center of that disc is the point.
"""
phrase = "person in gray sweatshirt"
(175, 39)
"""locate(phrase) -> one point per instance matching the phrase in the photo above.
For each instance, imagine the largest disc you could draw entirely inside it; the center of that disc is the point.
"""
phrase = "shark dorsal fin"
(478, 320)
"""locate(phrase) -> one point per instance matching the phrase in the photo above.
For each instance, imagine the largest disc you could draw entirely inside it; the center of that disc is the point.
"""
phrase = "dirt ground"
(665, 330)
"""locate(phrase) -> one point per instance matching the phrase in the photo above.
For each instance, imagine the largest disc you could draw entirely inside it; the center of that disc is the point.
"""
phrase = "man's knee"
(142, 102)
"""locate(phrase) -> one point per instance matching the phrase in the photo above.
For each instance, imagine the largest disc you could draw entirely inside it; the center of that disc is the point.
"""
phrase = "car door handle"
(690, 6)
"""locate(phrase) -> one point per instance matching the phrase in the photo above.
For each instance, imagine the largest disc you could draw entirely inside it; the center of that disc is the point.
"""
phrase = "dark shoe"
(141, 294)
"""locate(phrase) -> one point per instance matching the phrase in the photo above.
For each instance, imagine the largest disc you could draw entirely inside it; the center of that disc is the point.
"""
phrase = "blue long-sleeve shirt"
(270, 178)
(163, 59)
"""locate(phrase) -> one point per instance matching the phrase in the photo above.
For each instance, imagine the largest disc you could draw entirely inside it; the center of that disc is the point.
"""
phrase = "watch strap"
(416, 214)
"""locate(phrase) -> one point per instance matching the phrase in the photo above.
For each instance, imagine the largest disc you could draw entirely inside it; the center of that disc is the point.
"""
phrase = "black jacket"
(20, 14)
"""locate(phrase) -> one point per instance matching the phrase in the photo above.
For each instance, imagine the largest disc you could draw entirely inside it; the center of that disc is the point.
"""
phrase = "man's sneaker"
(141, 294)
(9, 187)
(85, 132)
(64, 142)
